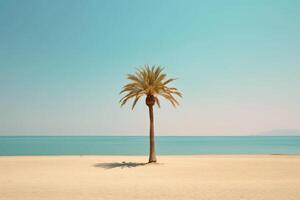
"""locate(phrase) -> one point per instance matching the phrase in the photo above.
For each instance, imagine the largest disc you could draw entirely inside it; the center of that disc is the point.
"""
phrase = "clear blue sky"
(62, 65)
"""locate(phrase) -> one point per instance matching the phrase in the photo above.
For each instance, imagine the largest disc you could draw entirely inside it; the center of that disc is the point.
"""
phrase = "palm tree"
(150, 82)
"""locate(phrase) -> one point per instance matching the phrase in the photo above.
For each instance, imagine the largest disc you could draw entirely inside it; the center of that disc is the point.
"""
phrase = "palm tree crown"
(151, 82)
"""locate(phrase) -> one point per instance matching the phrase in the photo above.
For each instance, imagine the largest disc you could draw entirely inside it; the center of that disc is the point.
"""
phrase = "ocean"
(138, 145)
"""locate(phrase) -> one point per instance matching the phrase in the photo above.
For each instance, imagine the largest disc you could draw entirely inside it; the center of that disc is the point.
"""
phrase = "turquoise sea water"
(138, 145)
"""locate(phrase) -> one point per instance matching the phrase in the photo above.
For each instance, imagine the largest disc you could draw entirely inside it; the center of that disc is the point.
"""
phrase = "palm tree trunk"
(152, 156)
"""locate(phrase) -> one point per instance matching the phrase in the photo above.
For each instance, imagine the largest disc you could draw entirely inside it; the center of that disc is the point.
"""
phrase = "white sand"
(176, 177)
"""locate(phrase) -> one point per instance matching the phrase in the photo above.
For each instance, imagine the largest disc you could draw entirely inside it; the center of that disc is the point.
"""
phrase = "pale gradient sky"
(62, 65)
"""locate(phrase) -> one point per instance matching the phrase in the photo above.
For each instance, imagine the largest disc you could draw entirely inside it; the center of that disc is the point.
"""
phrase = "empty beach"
(128, 177)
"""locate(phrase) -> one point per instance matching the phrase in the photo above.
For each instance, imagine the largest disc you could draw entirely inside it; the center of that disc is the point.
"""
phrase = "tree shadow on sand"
(121, 165)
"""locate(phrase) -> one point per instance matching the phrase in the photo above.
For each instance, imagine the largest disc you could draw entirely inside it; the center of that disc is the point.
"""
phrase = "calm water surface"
(138, 145)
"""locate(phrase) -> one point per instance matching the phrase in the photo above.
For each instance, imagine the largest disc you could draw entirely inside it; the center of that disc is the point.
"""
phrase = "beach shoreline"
(129, 177)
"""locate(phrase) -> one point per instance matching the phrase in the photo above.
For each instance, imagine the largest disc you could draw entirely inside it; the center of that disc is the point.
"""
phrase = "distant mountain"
(280, 132)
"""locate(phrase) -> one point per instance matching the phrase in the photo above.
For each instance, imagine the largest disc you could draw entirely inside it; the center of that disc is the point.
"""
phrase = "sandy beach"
(127, 177)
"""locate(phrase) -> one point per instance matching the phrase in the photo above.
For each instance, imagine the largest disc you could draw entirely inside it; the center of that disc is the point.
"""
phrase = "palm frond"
(157, 101)
(168, 81)
(135, 101)
(149, 81)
